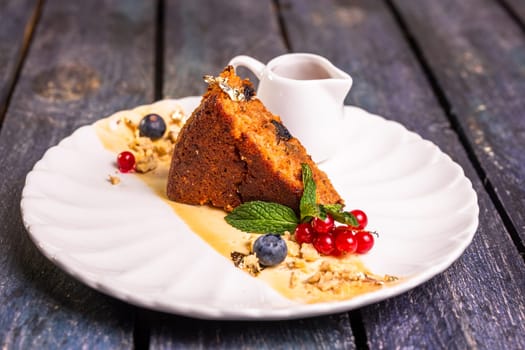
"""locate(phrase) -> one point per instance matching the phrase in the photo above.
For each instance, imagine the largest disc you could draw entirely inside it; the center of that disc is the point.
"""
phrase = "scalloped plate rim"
(292, 311)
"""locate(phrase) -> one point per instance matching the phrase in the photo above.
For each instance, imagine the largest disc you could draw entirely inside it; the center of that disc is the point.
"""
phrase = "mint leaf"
(308, 206)
(309, 211)
(336, 210)
(331, 208)
(262, 217)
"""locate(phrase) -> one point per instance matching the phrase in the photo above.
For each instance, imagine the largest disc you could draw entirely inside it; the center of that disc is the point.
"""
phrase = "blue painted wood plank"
(16, 23)
(459, 308)
(87, 59)
(477, 54)
(517, 7)
(201, 37)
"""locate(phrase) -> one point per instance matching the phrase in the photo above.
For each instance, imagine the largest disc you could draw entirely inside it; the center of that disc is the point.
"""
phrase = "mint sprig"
(267, 217)
(344, 217)
(262, 217)
(308, 207)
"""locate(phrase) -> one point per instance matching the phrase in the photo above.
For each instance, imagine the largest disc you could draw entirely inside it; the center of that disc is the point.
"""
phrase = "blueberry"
(270, 249)
(152, 126)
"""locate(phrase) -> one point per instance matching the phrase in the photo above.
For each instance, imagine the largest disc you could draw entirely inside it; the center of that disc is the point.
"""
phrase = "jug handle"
(252, 64)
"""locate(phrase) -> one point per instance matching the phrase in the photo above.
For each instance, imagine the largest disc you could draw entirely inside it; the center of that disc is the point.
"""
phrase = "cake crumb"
(113, 179)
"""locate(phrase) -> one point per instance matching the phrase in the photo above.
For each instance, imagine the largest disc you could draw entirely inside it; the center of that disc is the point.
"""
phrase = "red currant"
(345, 241)
(361, 217)
(125, 161)
(324, 243)
(304, 233)
(338, 229)
(336, 253)
(323, 226)
(365, 242)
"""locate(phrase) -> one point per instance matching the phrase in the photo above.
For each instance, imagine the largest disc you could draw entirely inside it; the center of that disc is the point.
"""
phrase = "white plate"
(126, 242)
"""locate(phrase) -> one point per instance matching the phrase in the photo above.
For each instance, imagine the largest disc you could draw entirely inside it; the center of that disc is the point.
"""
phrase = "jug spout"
(338, 88)
(339, 83)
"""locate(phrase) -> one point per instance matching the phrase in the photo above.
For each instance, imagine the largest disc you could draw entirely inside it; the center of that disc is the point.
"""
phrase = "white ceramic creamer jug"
(307, 91)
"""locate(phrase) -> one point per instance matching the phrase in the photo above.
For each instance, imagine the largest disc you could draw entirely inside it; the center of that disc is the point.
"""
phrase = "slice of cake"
(233, 150)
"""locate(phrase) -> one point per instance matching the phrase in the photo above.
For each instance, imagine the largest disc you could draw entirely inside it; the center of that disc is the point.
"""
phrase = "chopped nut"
(389, 278)
(237, 258)
(293, 248)
(114, 180)
(172, 135)
(350, 276)
(129, 123)
(309, 253)
(178, 117)
(163, 147)
(372, 280)
(141, 144)
(325, 266)
(145, 163)
(294, 280)
(246, 262)
(297, 263)
(327, 284)
(315, 278)
(251, 263)
(360, 276)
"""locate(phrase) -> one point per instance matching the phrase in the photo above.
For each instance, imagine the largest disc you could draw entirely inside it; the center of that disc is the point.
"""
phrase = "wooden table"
(452, 71)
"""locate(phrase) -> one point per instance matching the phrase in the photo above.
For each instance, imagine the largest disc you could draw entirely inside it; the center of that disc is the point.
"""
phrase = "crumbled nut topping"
(309, 253)
(247, 262)
(312, 272)
(148, 153)
(329, 275)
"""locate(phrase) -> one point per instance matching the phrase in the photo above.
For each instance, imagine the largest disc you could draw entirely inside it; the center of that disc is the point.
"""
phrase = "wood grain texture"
(518, 7)
(331, 332)
(477, 54)
(201, 39)
(87, 60)
(16, 20)
(202, 36)
(478, 302)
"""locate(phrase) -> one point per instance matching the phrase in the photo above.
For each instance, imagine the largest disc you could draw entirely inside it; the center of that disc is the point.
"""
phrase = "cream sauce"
(210, 225)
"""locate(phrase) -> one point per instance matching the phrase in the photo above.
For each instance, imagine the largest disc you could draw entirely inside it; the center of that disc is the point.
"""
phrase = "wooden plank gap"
(512, 13)
(141, 330)
(282, 25)
(159, 50)
(456, 126)
(28, 36)
(358, 330)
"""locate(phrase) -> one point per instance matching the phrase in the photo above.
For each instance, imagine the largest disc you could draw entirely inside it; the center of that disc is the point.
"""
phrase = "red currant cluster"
(329, 239)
